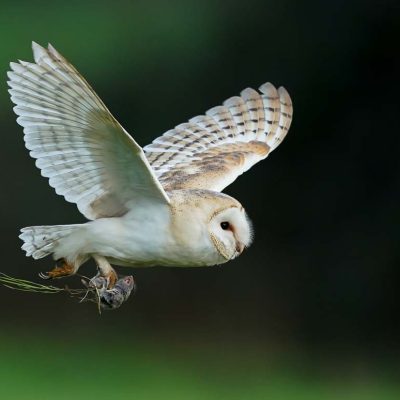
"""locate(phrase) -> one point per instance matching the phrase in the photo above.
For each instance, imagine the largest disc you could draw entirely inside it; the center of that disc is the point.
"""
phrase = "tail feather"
(40, 241)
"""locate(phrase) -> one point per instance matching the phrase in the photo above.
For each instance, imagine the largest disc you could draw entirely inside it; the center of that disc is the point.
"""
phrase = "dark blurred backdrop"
(313, 306)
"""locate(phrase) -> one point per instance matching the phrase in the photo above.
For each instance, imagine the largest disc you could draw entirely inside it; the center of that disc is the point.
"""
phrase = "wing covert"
(212, 150)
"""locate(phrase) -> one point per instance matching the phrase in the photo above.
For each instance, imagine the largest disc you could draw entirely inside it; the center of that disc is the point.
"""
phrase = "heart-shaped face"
(230, 231)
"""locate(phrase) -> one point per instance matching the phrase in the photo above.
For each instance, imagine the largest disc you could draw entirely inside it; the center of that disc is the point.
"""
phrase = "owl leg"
(59, 271)
(106, 271)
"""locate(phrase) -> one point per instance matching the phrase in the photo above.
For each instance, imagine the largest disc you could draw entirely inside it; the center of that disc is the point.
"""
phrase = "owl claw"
(111, 279)
(106, 271)
(108, 280)
(44, 275)
(104, 281)
(58, 272)
(97, 282)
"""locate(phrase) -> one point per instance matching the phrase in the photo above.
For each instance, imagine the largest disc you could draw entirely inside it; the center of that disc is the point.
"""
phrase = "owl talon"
(111, 279)
(98, 282)
(58, 272)
(103, 281)
(106, 271)
(44, 275)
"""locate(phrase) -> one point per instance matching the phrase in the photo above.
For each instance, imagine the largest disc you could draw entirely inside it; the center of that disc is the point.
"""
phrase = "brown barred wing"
(212, 150)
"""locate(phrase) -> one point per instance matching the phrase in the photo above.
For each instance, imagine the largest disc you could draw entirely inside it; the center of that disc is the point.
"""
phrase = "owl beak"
(239, 247)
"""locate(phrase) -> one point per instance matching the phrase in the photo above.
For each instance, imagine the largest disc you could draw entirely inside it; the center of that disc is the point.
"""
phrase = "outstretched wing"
(87, 155)
(212, 150)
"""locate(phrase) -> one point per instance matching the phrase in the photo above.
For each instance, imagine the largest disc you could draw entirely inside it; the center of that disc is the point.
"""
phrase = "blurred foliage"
(69, 368)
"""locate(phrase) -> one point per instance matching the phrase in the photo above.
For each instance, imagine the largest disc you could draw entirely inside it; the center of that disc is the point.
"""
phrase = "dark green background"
(311, 310)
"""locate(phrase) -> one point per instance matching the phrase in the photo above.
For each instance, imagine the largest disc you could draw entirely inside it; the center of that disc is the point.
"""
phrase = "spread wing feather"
(212, 150)
(86, 154)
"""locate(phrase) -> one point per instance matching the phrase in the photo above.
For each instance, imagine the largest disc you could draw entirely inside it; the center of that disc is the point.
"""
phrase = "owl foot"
(59, 271)
(106, 271)
(104, 281)
(111, 278)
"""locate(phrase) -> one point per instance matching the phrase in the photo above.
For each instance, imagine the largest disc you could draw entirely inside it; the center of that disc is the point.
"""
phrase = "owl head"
(214, 225)
(230, 230)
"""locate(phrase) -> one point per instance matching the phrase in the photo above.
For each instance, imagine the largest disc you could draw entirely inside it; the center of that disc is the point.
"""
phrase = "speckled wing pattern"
(211, 151)
(86, 154)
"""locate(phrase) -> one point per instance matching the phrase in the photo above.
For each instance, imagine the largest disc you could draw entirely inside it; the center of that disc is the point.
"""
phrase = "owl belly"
(169, 254)
(143, 238)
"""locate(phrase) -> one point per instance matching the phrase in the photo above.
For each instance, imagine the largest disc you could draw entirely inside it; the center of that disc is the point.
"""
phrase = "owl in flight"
(157, 205)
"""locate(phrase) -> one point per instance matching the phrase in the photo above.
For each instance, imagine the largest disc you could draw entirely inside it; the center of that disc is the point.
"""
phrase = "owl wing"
(87, 155)
(211, 151)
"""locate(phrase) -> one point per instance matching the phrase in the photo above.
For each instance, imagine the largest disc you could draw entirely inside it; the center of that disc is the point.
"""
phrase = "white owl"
(160, 205)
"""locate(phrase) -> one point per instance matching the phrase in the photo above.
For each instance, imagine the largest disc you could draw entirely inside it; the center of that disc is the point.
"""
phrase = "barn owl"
(157, 205)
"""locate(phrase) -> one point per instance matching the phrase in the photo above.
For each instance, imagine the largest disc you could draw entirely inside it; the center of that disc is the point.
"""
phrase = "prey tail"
(40, 241)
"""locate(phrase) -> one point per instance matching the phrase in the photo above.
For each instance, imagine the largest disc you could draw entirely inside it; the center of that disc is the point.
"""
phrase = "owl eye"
(225, 225)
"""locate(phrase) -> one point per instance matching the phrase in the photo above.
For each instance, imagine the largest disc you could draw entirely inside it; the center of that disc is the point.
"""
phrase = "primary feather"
(86, 154)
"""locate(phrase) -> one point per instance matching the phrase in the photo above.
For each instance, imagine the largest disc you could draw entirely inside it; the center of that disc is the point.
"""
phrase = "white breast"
(143, 237)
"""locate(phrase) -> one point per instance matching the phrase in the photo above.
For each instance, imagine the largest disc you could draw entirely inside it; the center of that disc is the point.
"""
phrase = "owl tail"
(41, 241)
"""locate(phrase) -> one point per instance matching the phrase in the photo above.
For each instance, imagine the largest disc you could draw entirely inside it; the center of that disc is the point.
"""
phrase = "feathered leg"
(106, 270)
